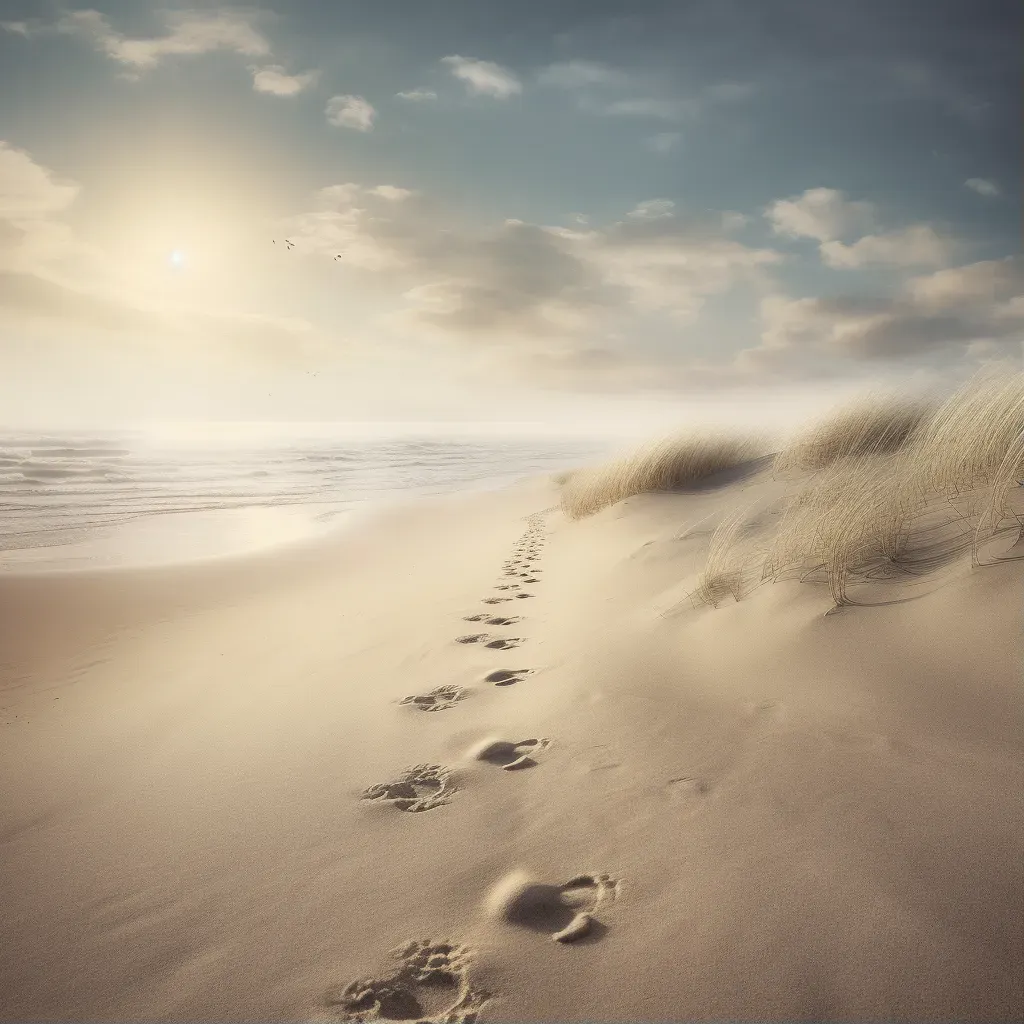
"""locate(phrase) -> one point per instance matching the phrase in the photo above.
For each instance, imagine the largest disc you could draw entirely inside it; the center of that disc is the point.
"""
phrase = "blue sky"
(566, 209)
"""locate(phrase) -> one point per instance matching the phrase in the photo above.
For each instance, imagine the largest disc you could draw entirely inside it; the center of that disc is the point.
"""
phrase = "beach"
(220, 802)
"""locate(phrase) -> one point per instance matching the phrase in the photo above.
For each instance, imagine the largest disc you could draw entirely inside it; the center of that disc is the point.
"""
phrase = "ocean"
(82, 500)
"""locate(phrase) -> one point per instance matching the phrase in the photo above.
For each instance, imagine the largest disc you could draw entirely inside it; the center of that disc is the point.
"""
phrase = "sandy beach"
(220, 804)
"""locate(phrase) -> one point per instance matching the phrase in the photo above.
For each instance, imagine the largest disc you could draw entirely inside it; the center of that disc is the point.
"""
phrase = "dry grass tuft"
(855, 513)
(878, 464)
(671, 464)
(970, 439)
(727, 571)
(878, 424)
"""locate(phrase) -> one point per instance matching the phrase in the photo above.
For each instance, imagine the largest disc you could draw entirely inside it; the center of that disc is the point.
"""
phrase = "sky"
(583, 211)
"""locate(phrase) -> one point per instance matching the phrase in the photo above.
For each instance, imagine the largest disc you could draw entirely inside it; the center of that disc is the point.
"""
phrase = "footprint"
(499, 620)
(499, 643)
(475, 618)
(529, 579)
(431, 986)
(420, 788)
(687, 786)
(505, 643)
(496, 600)
(507, 586)
(507, 677)
(565, 912)
(508, 755)
(524, 595)
(439, 699)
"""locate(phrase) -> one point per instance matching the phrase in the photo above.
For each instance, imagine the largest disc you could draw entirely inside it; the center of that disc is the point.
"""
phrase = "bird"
(289, 243)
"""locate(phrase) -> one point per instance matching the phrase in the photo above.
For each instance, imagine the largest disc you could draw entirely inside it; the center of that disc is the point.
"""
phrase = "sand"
(280, 788)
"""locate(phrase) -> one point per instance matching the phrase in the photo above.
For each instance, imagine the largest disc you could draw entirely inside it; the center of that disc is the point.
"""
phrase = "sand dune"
(223, 799)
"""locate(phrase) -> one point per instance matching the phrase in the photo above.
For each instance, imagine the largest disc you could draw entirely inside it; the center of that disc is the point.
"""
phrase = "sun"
(177, 259)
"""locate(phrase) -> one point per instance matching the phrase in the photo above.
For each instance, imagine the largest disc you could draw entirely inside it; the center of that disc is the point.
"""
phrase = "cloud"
(391, 192)
(821, 213)
(652, 209)
(417, 95)
(826, 215)
(27, 189)
(983, 187)
(577, 74)
(979, 307)
(974, 285)
(484, 77)
(273, 79)
(350, 112)
(664, 142)
(20, 28)
(189, 33)
(917, 245)
(527, 285)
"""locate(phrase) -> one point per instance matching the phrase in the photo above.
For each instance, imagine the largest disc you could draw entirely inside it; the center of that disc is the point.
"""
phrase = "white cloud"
(417, 95)
(652, 209)
(978, 307)
(526, 284)
(982, 186)
(188, 33)
(391, 192)
(273, 79)
(484, 77)
(576, 74)
(821, 213)
(988, 281)
(350, 112)
(917, 245)
(664, 142)
(20, 28)
(27, 189)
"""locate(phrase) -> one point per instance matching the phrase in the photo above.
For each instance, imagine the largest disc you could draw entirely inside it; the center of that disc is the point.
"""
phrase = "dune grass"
(876, 424)
(671, 464)
(874, 468)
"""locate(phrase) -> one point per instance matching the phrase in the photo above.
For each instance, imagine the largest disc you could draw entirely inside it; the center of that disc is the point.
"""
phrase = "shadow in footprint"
(421, 788)
(496, 600)
(431, 985)
(565, 912)
(439, 699)
(507, 677)
(503, 620)
(504, 643)
(508, 755)
(471, 638)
